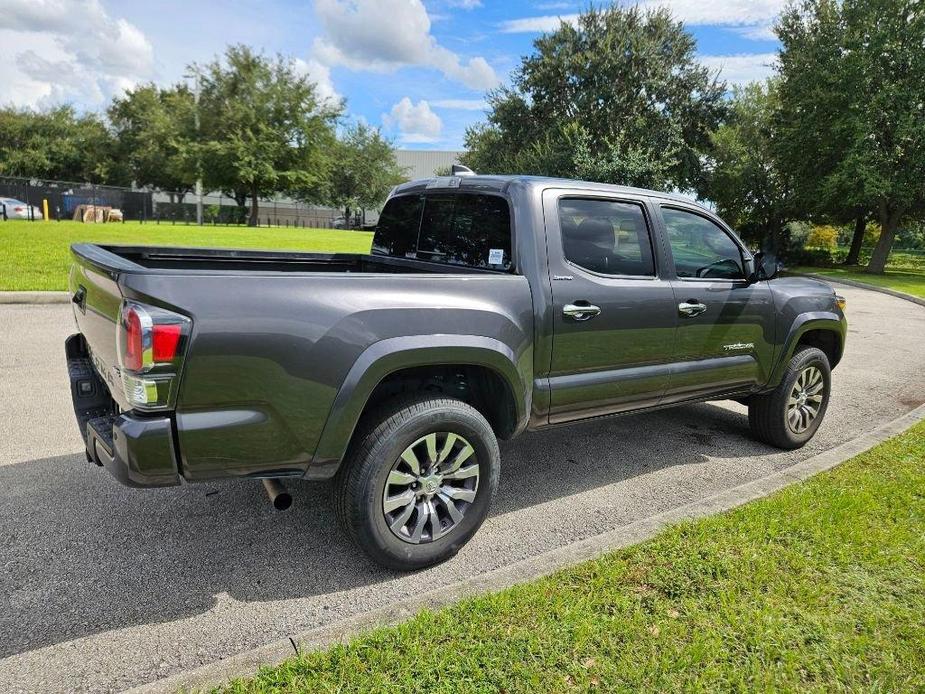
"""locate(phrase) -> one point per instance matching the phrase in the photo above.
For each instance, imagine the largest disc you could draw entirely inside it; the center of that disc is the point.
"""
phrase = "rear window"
(467, 229)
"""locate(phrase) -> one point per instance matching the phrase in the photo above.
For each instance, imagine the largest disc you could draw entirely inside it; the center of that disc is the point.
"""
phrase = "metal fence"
(68, 200)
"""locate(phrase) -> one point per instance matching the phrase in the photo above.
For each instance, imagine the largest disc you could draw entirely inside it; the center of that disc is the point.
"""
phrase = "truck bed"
(137, 259)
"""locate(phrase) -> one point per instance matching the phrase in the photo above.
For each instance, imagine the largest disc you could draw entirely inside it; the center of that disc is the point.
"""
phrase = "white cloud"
(726, 12)
(47, 56)
(414, 122)
(752, 13)
(462, 104)
(384, 35)
(320, 74)
(536, 25)
(759, 32)
(741, 68)
(466, 4)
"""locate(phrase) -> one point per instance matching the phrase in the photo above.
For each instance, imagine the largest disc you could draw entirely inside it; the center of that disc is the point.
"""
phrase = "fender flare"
(815, 320)
(385, 357)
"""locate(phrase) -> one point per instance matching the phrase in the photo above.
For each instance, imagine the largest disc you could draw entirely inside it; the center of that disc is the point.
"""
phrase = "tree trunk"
(252, 220)
(889, 223)
(860, 225)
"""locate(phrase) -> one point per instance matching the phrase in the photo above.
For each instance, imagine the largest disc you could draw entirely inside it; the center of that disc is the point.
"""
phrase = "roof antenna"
(460, 170)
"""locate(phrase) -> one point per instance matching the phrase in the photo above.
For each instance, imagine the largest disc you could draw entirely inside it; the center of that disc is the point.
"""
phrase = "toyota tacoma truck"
(488, 306)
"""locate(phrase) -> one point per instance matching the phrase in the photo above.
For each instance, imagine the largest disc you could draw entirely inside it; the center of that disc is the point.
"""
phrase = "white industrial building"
(424, 163)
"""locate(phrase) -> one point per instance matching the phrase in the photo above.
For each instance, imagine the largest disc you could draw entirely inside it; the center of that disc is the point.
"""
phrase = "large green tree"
(264, 129)
(617, 97)
(852, 116)
(364, 169)
(57, 144)
(745, 181)
(156, 134)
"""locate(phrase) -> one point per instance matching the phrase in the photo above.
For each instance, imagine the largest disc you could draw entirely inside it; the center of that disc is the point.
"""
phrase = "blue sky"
(419, 70)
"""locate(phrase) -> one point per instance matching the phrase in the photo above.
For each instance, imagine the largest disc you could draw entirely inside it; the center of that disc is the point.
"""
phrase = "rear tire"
(405, 452)
(789, 416)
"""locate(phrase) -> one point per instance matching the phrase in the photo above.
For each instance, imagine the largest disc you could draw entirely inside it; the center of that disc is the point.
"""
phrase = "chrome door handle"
(695, 308)
(580, 311)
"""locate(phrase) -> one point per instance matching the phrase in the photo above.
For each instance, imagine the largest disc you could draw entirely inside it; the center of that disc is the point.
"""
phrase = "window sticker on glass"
(495, 256)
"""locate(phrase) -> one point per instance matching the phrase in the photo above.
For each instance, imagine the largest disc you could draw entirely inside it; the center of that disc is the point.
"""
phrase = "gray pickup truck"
(488, 306)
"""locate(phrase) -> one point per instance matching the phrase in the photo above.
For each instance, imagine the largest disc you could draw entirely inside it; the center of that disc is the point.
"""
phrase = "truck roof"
(501, 183)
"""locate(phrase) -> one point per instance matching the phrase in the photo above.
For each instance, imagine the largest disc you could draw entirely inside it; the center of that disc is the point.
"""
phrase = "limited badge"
(495, 256)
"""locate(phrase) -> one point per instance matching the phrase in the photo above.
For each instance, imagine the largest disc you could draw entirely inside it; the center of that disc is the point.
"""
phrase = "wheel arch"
(823, 330)
(486, 360)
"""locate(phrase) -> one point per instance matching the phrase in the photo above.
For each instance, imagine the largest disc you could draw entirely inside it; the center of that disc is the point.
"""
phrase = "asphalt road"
(105, 587)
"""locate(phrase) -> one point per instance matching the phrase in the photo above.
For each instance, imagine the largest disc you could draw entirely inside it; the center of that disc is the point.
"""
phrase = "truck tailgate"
(97, 297)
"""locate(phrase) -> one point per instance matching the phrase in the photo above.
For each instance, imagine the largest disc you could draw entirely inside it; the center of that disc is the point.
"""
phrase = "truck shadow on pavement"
(83, 555)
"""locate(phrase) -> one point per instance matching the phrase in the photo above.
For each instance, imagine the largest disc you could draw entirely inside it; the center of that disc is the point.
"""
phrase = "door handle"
(691, 308)
(581, 311)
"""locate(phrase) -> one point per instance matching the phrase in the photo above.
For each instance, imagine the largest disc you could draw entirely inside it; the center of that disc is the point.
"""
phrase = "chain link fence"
(34, 199)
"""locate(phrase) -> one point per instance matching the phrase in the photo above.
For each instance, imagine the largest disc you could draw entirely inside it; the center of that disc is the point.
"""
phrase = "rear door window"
(469, 229)
(606, 236)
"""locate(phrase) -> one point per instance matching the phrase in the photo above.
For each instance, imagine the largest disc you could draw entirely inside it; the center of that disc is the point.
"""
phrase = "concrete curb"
(34, 297)
(248, 662)
(862, 285)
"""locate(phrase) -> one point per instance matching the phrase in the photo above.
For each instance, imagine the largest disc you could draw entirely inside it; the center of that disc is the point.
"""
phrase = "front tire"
(418, 481)
(789, 416)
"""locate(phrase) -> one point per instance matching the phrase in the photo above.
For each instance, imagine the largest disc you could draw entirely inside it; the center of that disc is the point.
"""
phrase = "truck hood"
(792, 286)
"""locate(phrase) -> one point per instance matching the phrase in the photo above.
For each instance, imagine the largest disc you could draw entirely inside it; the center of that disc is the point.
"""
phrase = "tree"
(853, 110)
(364, 169)
(57, 144)
(264, 129)
(745, 181)
(813, 101)
(156, 136)
(619, 97)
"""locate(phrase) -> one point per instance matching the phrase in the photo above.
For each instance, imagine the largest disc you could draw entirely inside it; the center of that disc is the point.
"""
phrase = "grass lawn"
(820, 587)
(910, 282)
(905, 272)
(36, 255)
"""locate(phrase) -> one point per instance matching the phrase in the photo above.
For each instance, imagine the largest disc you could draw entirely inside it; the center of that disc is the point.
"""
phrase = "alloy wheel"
(805, 399)
(430, 487)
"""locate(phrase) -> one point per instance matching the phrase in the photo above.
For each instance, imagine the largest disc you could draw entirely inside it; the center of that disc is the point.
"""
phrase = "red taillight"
(165, 342)
(19, 209)
(132, 356)
(149, 337)
(151, 344)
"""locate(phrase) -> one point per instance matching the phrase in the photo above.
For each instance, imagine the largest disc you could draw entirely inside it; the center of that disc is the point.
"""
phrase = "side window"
(606, 237)
(701, 248)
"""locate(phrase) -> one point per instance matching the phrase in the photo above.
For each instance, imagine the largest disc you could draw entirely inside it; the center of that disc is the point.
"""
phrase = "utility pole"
(199, 161)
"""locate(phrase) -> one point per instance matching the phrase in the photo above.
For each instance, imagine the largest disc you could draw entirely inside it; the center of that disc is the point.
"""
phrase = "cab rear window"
(469, 229)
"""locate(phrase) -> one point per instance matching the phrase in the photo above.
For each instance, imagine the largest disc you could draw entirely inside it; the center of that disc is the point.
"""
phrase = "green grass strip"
(820, 587)
(910, 282)
(36, 255)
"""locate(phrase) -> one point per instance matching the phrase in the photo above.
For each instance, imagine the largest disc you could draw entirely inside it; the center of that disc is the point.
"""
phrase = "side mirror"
(766, 267)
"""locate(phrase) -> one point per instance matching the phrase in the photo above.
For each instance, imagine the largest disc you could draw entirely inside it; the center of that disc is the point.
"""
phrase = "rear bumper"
(137, 451)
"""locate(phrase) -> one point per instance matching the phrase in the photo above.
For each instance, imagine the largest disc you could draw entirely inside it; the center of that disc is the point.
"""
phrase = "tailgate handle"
(80, 298)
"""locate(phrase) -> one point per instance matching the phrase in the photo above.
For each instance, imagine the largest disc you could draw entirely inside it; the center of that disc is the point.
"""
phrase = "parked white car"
(17, 209)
